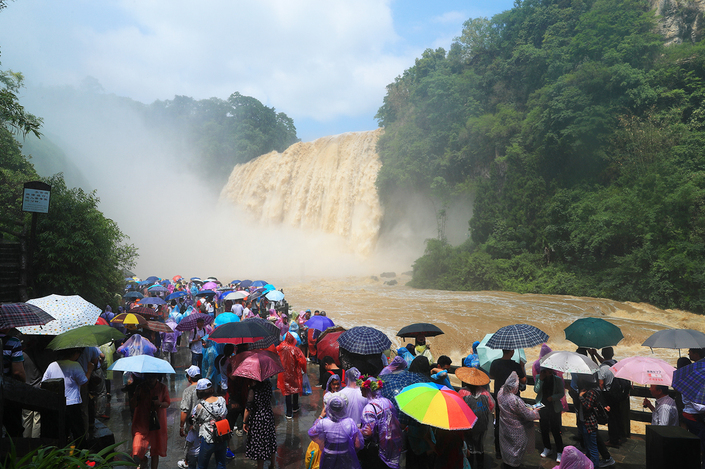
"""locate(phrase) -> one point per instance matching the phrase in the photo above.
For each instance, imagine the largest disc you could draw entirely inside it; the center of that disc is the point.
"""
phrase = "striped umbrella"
(517, 336)
(437, 406)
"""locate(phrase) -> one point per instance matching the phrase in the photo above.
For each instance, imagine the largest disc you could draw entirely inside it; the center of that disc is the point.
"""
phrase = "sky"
(325, 63)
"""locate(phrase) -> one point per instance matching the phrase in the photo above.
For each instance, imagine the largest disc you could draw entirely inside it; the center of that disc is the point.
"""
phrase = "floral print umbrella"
(69, 313)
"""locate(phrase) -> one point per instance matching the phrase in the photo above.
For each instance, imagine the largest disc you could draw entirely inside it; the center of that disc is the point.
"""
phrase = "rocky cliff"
(680, 20)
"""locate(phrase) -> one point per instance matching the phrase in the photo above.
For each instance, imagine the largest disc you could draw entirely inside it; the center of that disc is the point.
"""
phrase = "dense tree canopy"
(581, 137)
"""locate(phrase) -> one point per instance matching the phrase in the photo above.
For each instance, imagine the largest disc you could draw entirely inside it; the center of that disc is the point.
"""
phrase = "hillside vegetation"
(582, 138)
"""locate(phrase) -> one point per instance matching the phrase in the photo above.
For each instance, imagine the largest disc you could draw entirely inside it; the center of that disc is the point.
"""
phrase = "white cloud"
(451, 17)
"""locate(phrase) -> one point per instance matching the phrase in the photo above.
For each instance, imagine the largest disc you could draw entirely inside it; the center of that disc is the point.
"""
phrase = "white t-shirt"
(73, 376)
(197, 347)
(237, 309)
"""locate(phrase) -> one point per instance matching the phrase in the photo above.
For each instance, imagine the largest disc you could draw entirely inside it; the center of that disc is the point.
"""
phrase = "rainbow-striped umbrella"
(436, 405)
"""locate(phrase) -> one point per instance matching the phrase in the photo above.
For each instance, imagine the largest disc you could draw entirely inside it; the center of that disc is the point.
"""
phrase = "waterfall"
(327, 185)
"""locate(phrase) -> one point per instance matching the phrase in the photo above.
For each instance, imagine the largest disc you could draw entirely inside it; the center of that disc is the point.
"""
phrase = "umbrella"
(271, 339)
(101, 322)
(189, 322)
(644, 370)
(152, 300)
(158, 326)
(243, 332)
(258, 283)
(257, 364)
(327, 344)
(144, 311)
(129, 318)
(176, 278)
(269, 287)
(152, 279)
(246, 283)
(487, 355)
(22, 314)
(254, 295)
(85, 336)
(394, 383)
(364, 340)
(436, 405)
(472, 376)
(224, 318)
(690, 381)
(142, 364)
(421, 328)
(69, 313)
(158, 289)
(196, 279)
(210, 293)
(274, 295)
(234, 282)
(210, 285)
(570, 362)
(517, 336)
(176, 294)
(320, 323)
(676, 338)
(593, 333)
(133, 295)
(236, 295)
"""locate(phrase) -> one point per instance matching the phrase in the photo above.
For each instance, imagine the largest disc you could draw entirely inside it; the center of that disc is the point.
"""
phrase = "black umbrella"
(271, 339)
(243, 332)
(676, 339)
(420, 328)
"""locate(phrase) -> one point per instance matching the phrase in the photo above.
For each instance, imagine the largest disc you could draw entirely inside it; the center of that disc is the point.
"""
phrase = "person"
(665, 412)
(449, 449)
(238, 309)
(210, 409)
(149, 431)
(333, 385)
(353, 394)
(12, 367)
(422, 349)
(605, 377)
(137, 345)
(380, 427)
(290, 380)
(536, 370)
(397, 364)
(473, 359)
(259, 424)
(589, 398)
(169, 341)
(421, 366)
(574, 459)
(196, 344)
(90, 362)
(406, 355)
(328, 367)
(237, 395)
(696, 354)
(549, 391)
(440, 373)
(221, 365)
(68, 369)
(480, 401)
(186, 427)
(337, 435)
(499, 371)
(517, 422)
(36, 360)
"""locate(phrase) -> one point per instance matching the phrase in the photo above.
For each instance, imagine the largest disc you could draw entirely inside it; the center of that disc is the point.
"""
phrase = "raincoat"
(169, 338)
(356, 402)
(473, 360)
(294, 363)
(381, 415)
(337, 435)
(406, 355)
(397, 364)
(137, 345)
(516, 423)
(572, 458)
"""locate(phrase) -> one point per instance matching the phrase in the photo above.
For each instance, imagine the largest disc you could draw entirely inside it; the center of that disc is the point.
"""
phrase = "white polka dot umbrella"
(69, 313)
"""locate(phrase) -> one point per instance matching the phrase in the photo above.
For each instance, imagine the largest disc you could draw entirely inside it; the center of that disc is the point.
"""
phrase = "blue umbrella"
(320, 323)
(689, 381)
(145, 282)
(517, 336)
(210, 293)
(142, 364)
(152, 300)
(269, 287)
(274, 295)
(196, 279)
(234, 282)
(393, 385)
(225, 318)
(152, 279)
(166, 282)
(246, 283)
(364, 340)
(259, 283)
(134, 294)
(158, 289)
(176, 294)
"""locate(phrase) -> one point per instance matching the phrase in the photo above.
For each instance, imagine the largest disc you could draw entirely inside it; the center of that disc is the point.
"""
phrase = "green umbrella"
(593, 333)
(85, 336)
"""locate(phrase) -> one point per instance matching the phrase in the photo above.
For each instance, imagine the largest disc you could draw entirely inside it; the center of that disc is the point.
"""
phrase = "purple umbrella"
(210, 286)
(189, 322)
(152, 300)
(320, 323)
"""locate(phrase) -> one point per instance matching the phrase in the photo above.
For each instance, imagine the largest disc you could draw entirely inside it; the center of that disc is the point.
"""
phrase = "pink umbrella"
(210, 286)
(644, 370)
(256, 364)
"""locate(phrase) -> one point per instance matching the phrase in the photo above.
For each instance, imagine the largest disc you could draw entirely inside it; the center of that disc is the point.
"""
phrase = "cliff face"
(680, 20)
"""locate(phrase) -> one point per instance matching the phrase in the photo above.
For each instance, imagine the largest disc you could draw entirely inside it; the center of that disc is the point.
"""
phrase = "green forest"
(581, 138)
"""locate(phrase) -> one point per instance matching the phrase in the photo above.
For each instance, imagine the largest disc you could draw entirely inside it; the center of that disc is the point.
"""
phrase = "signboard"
(36, 197)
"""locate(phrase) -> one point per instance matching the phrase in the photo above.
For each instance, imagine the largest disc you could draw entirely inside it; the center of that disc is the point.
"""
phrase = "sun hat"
(472, 376)
(193, 371)
(203, 384)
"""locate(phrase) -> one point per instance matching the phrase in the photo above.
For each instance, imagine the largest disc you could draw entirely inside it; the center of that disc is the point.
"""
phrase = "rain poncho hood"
(536, 368)
(573, 458)
(336, 405)
(397, 364)
(330, 381)
(355, 400)
(294, 363)
(405, 354)
(473, 360)
(511, 385)
(351, 376)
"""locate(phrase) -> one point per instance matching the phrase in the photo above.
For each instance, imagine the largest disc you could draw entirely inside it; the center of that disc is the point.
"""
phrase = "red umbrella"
(256, 364)
(328, 345)
(101, 322)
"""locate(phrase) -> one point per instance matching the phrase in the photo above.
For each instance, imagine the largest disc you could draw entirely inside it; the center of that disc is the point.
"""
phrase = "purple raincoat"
(337, 436)
(381, 415)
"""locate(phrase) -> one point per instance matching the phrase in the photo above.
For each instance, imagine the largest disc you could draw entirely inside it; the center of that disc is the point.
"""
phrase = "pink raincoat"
(516, 434)
(294, 363)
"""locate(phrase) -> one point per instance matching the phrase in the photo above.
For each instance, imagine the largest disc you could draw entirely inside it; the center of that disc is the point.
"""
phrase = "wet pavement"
(292, 436)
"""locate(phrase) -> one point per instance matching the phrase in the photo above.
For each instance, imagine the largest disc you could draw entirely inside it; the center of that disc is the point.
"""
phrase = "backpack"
(601, 412)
